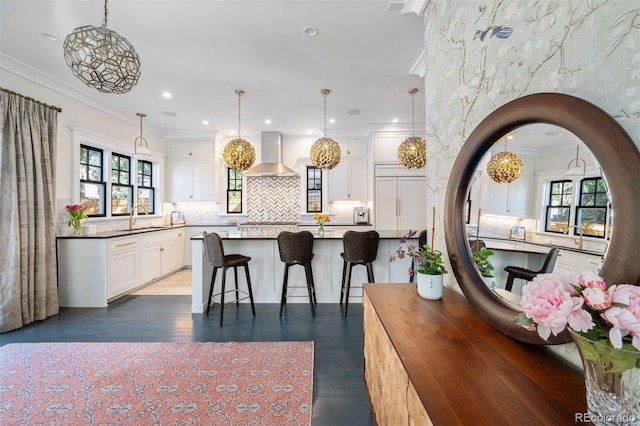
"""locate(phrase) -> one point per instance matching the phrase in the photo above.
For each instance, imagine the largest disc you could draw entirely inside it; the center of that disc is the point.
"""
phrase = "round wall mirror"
(619, 160)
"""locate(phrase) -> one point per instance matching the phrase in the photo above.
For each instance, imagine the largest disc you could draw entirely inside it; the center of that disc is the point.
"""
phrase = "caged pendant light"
(239, 153)
(412, 153)
(574, 168)
(504, 167)
(101, 58)
(140, 145)
(325, 152)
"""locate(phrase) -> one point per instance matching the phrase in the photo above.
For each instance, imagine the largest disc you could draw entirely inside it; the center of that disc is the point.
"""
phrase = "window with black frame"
(591, 212)
(146, 191)
(92, 184)
(234, 191)
(559, 206)
(121, 188)
(314, 189)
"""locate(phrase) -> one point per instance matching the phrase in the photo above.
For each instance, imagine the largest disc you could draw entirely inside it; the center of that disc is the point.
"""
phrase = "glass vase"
(321, 230)
(77, 227)
(612, 381)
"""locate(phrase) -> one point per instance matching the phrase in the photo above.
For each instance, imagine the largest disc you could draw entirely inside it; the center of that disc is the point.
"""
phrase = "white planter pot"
(490, 282)
(430, 286)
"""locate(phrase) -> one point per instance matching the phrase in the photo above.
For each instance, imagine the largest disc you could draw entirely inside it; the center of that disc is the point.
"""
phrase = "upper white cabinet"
(508, 199)
(385, 146)
(190, 171)
(349, 180)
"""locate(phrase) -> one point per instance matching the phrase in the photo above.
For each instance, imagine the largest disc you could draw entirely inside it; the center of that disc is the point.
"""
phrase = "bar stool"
(296, 248)
(526, 274)
(422, 240)
(217, 259)
(360, 248)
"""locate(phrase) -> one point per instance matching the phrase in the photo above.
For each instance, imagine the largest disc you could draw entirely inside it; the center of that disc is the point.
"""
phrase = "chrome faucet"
(579, 228)
(132, 221)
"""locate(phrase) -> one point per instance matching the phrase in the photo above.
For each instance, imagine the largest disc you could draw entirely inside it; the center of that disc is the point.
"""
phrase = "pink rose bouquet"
(582, 302)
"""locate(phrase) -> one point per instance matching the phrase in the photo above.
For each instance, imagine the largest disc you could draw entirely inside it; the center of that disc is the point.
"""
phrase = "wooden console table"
(436, 362)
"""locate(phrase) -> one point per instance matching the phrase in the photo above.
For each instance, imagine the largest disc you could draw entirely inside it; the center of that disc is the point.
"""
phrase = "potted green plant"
(430, 269)
(481, 258)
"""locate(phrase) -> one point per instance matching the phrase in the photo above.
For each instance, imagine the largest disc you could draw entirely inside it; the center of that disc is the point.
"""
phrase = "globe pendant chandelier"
(238, 153)
(325, 152)
(412, 153)
(140, 145)
(102, 58)
(504, 167)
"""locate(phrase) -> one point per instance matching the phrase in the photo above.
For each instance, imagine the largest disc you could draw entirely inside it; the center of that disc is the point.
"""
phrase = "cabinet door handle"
(161, 248)
(180, 234)
(126, 244)
(190, 154)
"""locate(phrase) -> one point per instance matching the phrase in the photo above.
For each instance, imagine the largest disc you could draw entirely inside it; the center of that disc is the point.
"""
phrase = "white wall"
(567, 47)
(82, 115)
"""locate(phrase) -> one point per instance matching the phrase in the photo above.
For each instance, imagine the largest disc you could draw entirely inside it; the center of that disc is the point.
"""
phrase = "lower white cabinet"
(94, 271)
(122, 265)
(573, 260)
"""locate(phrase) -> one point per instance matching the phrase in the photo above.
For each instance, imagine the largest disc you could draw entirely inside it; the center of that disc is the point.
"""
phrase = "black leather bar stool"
(217, 259)
(296, 248)
(360, 248)
(528, 275)
(422, 240)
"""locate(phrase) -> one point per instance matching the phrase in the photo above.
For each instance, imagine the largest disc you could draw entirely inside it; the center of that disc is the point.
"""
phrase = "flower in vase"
(77, 213)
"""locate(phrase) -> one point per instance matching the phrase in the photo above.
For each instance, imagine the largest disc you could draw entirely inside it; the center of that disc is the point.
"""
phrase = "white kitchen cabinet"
(123, 265)
(401, 202)
(509, 199)
(190, 171)
(349, 180)
(385, 146)
(573, 260)
(162, 253)
(93, 271)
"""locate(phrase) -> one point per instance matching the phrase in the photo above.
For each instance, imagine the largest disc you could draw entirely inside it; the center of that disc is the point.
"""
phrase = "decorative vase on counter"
(321, 230)
(612, 381)
(430, 286)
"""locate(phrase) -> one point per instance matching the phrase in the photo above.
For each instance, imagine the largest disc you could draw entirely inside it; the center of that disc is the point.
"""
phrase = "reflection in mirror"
(551, 203)
(619, 159)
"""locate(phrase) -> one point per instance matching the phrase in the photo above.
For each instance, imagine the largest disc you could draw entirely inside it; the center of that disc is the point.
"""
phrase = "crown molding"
(35, 76)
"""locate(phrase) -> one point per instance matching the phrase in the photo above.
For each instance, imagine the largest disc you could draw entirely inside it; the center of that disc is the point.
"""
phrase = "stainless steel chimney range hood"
(271, 165)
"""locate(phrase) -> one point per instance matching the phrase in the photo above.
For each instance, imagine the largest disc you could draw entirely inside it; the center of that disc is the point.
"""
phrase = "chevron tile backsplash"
(273, 199)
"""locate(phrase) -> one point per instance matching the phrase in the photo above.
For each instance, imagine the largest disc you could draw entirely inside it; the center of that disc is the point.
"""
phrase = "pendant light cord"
(413, 122)
(324, 131)
(239, 93)
(106, 14)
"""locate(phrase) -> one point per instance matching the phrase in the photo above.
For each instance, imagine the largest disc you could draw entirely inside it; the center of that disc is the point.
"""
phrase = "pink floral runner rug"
(257, 383)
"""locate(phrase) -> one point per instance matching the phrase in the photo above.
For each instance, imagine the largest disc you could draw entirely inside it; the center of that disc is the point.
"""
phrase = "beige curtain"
(28, 281)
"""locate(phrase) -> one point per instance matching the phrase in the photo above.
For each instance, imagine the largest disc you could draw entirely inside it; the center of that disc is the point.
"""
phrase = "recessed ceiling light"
(169, 114)
(310, 31)
(395, 120)
(205, 122)
(310, 131)
(167, 95)
(232, 132)
(267, 121)
(48, 36)
(332, 120)
(354, 112)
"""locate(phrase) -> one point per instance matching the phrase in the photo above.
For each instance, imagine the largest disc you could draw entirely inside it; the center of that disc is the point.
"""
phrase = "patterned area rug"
(156, 383)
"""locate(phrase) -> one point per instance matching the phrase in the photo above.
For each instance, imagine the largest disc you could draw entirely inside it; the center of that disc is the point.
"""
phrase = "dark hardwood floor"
(339, 395)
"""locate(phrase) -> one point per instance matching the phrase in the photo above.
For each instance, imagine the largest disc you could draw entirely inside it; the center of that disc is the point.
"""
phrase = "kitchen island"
(266, 269)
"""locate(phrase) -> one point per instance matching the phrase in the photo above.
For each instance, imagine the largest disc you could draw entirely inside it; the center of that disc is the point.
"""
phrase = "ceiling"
(202, 51)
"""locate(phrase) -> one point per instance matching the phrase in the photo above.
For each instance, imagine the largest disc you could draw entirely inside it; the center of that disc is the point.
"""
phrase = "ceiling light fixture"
(140, 145)
(325, 152)
(102, 58)
(504, 167)
(239, 153)
(412, 153)
(574, 168)
(167, 95)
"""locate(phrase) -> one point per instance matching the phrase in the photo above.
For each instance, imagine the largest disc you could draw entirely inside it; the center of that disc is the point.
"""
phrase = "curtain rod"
(30, 99)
